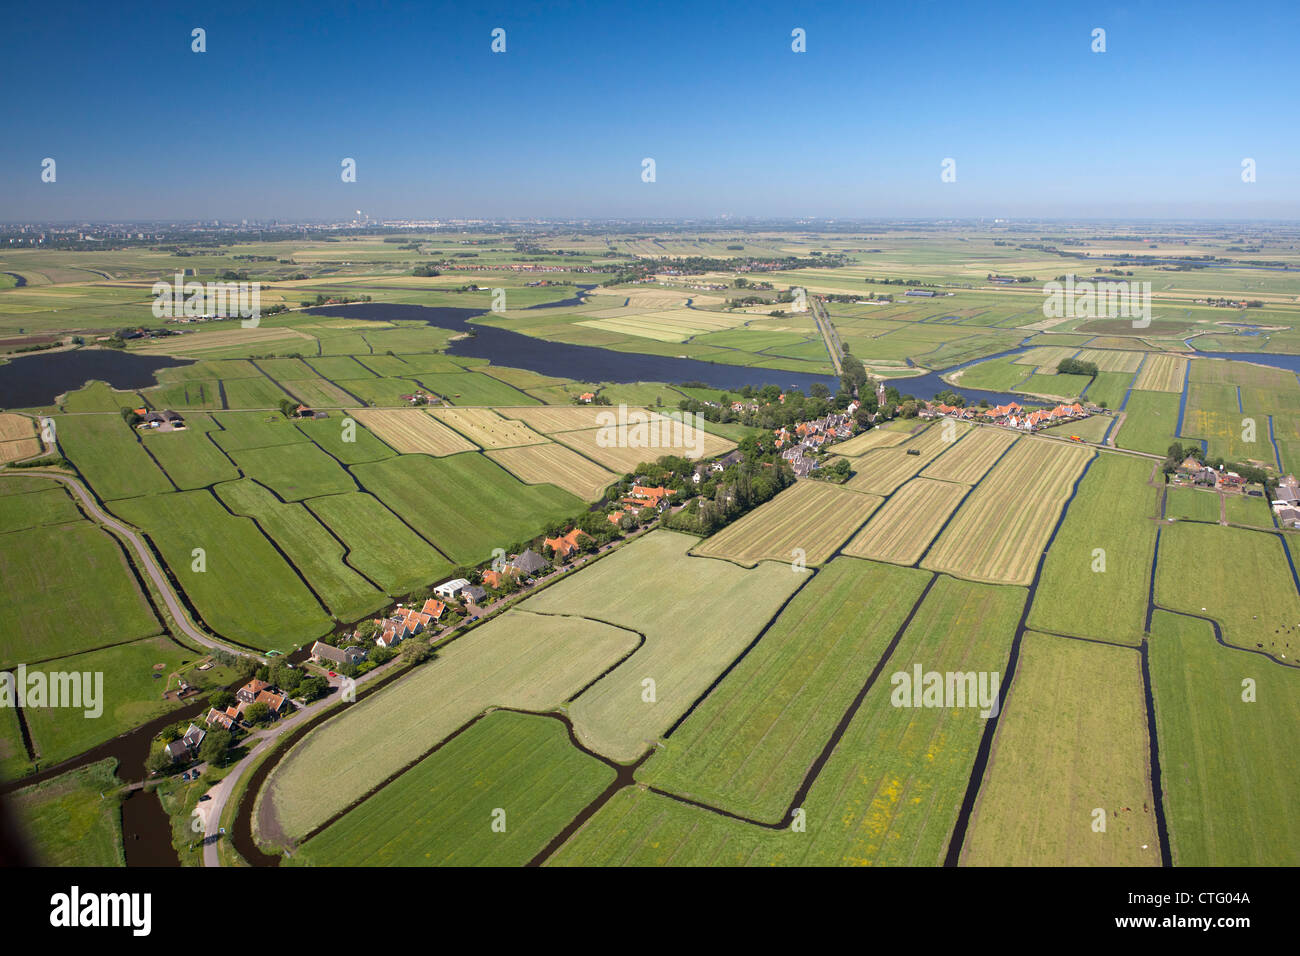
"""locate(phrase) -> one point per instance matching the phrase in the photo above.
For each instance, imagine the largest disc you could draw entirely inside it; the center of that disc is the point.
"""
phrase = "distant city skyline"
(858, 127)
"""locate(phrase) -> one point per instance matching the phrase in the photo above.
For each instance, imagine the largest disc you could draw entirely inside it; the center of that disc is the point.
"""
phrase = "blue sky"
(737, 123)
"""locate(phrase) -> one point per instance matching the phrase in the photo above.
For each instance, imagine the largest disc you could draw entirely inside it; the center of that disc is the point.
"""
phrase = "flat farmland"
(486, 428)
(465, 504)
(683, 653)
(437, 813)
(747, 747)
(308, 544)
(882, 471)
(474, 388)
(412, 431)
(379, 545)
(562, 418)
(1000, 532)
(295, 471)
(1150, 422)
(383, 391)
(1162, 373)
(1112, 360)
(557, 465)
(243, 430)
(1072, 738)
(189, 457)
(106, 451)
(875, 438)
(1263, 615)
(338, 368)
(56, 579)
(1045, 357)
(20, 448)
(51, 504)
(16, 427)
(1230, 790)
(246, 591)
(320, 393)
(330, 435)
(520, 660)
(1198, 504)
(888, 795)
(1102, 595)
(901, 531)
(70, 821)
(252, 393)
(812, 516)
(200, 343)
(622, 448)
(968, 460)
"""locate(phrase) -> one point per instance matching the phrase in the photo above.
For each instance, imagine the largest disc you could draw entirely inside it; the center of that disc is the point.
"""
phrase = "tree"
(221, 699)
(312, 688)
(215, 744)
(415, 652)
(257, 713)
(285, 676)
(158, 762)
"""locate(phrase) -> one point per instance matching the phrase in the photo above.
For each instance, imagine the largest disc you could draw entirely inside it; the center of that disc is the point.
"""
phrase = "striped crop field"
(1162, 373)
(902, 530)
(1111, 360)
(1000, 532)
(539, 464)
(812, 516)
(968, 460)
(885, 469)
(486, 428)
(560, 418)
(1044, 357)
(411, 431)
(621, 449)
(876, 438)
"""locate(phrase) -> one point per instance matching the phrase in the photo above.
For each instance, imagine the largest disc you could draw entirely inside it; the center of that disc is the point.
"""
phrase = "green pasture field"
(244, 430)
(1064, 387)
(59, 578)
(1114, 511)
(309, 545)
(967, 461)
(106, 451)
(340, 368)
(810, 517)
(1230, 790)
(386, 366)
(51, 505)
(682, 654)
(13, 755)
(328, 433)
(320, 393)
(465, 504)
(1256, 605)
(189, 457)
(1001, 529)
(100, 397)
(747, 747)
(474, 388)
(1091, 429)
(1243, 509)
(1072, 738)
(252, 393)
(184, 396)
(74, 819)
(284, 370)
(1108, 388)
(379, 544)
(901, 531)
(295, 471)
(1150, 422)
(519, 767)
(1195, 503)
(891, 791)
(247, 592)
(519, 660)
(132, 695)
(997, 375)
(382, 391)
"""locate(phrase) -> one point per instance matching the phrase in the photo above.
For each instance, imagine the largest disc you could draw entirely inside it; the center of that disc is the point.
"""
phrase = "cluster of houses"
(567, 544)
(645, 496)
(1011, 415)
(164, 421)
(806, 439)
(254, 692)
(420, 397)
(1286, 502)
(1191, 472)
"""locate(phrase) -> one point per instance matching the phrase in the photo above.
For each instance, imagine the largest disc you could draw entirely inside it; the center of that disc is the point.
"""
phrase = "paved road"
(143, 555)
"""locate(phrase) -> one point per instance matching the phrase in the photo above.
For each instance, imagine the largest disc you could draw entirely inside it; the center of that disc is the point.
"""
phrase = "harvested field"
(902, 530)
(1112, 360)
(968, 460)
(559, 418)
(875, 438)
(197, 343)
(486, 428)
(1000, 532)
(885, 469)
(621, 449)
(1162, 373)
(540, 464)
(412, 431)
(14, 427)
(813, 516)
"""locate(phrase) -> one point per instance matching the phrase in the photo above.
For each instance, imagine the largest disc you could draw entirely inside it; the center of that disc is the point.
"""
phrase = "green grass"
(465, 504)
(189, 457)
(105, 450)
(1113, 510)
(1255, 601)
(247, 592)
(244, 430)
(1199, 504)
(1247, 509)
(295, 471)
(474, 388)
(518, 767)
(1109, 387)
(100, 397)
(52, 505)
(329, 434)
(1150, 422)
(1072, 738)
(253, 393)
(1231, 786)
(309, 545)
(74, 819)
(519, 660)
(748, 745)
(13, 755)
(379, 545)
(67, 588)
